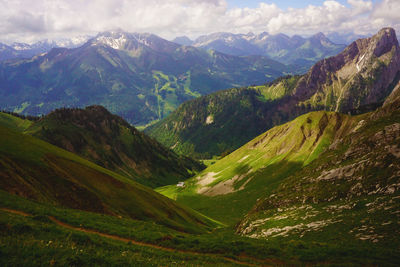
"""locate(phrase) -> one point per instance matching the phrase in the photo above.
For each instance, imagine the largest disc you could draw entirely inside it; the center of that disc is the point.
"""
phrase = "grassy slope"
(36, 240)
(258, 167)
(109, 141)
(37, 170)
(14, 122)
(349, 195)
(354, 206)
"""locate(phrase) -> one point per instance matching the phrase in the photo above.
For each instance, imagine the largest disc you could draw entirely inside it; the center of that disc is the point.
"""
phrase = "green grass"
(38, 230)
(23, 106)
(52, 172)
(13, 122)
(109, 141)
(209, 162)
(261, 165)
(36, 240)
(274, 157)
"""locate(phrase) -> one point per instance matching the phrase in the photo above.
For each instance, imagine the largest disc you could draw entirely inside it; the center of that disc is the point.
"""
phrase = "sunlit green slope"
(349, 194)
(239, 179)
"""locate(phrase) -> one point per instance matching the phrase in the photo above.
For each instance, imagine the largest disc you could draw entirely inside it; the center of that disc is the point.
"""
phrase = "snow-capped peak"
(111, 41)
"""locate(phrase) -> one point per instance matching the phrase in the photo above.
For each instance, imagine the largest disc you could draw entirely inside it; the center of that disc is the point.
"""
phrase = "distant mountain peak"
(319, 35)
(183, 40)
(121, 40)
(116, 40)
(21, 46)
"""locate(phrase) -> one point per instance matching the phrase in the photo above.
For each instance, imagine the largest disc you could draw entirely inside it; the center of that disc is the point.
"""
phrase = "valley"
(125, 149)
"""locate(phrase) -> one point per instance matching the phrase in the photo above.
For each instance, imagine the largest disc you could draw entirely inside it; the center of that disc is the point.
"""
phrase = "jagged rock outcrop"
(363, 74)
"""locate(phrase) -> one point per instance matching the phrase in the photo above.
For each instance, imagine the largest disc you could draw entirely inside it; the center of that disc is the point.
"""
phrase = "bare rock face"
(363, 74)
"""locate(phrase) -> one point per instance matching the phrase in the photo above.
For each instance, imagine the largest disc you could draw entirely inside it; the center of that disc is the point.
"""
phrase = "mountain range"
(295, 50)
(23, 50)
(141, 77)
(356, 80)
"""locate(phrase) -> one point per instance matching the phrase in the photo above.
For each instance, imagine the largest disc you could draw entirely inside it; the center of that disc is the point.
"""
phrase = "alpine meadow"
(200, 133)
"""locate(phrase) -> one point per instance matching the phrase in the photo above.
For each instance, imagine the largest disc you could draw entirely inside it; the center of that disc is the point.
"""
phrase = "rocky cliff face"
(363, 74)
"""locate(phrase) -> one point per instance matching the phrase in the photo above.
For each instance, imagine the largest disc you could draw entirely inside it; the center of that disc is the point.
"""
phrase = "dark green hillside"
(223, 121)
(355, 81)
(37, 170)
(142, 78)
(68, 236)
(109, 141)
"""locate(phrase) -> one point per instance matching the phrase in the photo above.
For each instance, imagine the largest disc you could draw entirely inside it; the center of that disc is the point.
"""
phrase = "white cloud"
(387, 12)
(25, 20)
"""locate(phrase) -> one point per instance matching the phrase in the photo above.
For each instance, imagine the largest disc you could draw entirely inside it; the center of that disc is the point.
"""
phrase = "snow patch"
(113, 42)
(359, 61)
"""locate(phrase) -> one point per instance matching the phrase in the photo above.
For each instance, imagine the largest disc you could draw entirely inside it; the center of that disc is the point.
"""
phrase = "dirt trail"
(16, 212)
(128, 240)
(149, 245)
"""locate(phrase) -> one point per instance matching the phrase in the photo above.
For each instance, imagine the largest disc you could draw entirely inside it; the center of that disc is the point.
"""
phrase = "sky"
(30, 21)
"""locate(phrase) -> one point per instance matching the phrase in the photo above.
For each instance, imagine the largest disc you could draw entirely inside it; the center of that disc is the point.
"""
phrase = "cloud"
(26, 22)
(387, 12)
(66, 18)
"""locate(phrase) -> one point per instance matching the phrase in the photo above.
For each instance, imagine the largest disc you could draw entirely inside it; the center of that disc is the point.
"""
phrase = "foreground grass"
(26, 241)
(36, 240)
(39, 227)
